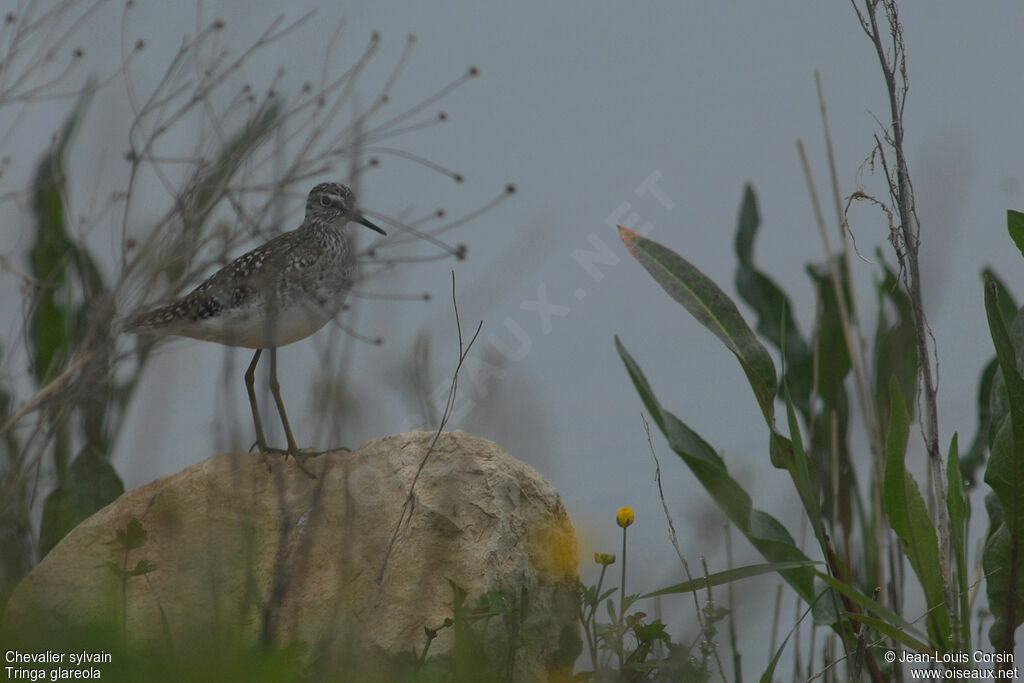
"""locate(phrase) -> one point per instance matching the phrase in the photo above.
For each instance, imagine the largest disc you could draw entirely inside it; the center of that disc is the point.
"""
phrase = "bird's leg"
(275, 390)
(250, 388)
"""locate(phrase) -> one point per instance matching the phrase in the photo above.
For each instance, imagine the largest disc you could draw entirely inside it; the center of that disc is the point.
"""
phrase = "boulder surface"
(236, 549)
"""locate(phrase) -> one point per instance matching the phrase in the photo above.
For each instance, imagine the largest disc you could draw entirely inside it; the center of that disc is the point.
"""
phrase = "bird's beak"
(359, 218)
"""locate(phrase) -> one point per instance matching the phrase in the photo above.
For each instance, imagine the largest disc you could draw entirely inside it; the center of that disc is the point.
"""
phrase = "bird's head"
(332, 202)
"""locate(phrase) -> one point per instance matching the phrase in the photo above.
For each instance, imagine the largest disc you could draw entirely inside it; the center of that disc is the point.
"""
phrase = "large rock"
(256, 554)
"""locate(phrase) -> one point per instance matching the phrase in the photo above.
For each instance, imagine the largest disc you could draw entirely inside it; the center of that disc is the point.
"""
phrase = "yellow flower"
(604, 558)
(624, 517)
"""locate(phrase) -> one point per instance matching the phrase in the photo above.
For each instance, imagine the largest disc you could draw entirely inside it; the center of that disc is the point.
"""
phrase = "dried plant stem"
(407, 507)
(892, 59)
(675, 544)
(845, 316)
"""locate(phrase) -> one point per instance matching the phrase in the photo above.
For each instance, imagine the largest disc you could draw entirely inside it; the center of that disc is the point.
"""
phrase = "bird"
(278, 293)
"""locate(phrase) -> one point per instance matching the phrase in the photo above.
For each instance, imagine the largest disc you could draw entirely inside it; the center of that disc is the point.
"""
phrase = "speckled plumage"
(278, 293)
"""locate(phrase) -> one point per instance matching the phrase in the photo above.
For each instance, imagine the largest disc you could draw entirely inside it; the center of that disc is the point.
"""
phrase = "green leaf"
(802, 467)
(774, 312)
(833, 355)
(766, 534)
(895, 344)
(956, 501)
(142, 567)
(712, 308)
(991, 397)
(49, 255)
(834, 365)
(1004, 550)
(887, 629)
(976, 454)
(869, 606)
(60, 515)
(1008, 307)
(91, 484)
(51, 327)
(909, 518)
(1015, 226)
(728, 576)
(134, 535)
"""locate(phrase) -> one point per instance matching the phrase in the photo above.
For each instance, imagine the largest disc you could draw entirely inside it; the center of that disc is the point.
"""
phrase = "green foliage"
(909, 635)
(1003, 556)
(69, 287)
(728, 576)
(1015, 225)
(55, 257)
(909, 518)
(631, 647)
(761, 529)
(712, 308)
(895, 346)
(990, 394)
(815, 384)
(72, 348)
(16, 551)
(91, 484)
(829, 424)
(775, 320)
(487, 635)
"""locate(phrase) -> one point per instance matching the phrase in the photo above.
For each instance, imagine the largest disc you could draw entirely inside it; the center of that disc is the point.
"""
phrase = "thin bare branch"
(894, 70)
(409, 504)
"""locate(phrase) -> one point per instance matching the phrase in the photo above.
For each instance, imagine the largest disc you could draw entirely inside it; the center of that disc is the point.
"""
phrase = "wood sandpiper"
(276, 294)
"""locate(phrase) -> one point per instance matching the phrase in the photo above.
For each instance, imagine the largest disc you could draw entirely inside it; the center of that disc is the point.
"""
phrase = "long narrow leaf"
(728, 576)
(802, 469)
(828, 443)
(766, 534)
(887, 629)
(895, 344)
(52, 322)
(909, 518)
(869, 606)
(712, 308)
(976, 454)
(1004, 549)
(775, 320)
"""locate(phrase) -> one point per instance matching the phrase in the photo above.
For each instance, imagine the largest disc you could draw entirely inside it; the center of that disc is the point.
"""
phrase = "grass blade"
(728, 576)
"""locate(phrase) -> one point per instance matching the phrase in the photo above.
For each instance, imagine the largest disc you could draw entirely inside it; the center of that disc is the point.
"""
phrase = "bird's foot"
(301, 455)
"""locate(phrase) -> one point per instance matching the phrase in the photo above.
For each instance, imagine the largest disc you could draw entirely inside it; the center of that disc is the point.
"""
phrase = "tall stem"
(622, 600)
(902, 192)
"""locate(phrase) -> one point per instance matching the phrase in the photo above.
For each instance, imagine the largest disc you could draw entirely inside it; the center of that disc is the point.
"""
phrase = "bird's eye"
(325, 201)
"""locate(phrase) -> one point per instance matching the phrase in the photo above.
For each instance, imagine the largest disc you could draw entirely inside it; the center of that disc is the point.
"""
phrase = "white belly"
(253, 328)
